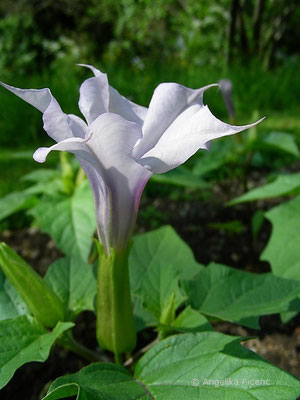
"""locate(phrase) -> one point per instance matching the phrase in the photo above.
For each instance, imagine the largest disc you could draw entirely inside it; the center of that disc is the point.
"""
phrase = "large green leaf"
(46, 181)
(69, 220)
(157, 248)
(23, 340)
(157, 261)
(11, 304)
(207, 365)
(74, 283)
(283, 185)
(282, 141)
(99, 381)
(283, 248)
(190, 320)
(182, 366)
(14, 202)
(142, 316)
(160, 290)
(233, 295)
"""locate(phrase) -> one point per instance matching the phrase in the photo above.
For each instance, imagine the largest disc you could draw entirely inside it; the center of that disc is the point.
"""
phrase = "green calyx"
(116, 330)
(36, 293)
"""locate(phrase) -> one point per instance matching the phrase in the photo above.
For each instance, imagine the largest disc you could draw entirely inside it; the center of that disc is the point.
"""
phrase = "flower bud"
(35, 292)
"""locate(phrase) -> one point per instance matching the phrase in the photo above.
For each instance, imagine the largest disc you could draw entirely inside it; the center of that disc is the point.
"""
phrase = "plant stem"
(116, 329)
(68, 342)
(119, 359)
(130, 361)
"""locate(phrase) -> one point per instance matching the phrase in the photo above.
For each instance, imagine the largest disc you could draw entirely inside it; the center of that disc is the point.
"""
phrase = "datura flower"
(121, 144)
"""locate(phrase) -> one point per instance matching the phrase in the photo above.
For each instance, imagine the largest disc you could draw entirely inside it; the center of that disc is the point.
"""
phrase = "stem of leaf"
(68, 342)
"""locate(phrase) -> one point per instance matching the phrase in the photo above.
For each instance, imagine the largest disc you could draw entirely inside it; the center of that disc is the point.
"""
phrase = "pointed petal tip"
(205, 88)
(211, 85)
(95, 71)
(82, 65)
(257, 122)
(9, 87)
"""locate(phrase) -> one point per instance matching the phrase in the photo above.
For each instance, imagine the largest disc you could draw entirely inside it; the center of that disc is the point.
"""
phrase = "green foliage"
(69, 220)
(283, 185)
(25, 48)
(14, 202)
(11, 304)
(38, 296)
(189, 366)
(282, 250)
(74, 283)
(23, 340)
(190, 320)
(191, 33)
(160, 283)
(154, 275)
(283, 141)
(238, 296)
(19, 43)
(173, 293)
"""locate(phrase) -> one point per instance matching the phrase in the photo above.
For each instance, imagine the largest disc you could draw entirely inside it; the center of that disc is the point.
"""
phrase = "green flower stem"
(116, 329)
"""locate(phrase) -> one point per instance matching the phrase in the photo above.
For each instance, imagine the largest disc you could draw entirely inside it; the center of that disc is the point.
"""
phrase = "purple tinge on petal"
(102, 202)
(117, 180)
(112, 142)
(139, 190)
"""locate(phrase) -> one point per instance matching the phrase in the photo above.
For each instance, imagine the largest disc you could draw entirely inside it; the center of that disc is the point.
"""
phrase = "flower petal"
(116, 179)
(94, 97)
(168, 102)
(94, 174)
(56, 123)
(97, 97)
(72, 145)
(184, 137)
(78, 127)
(38, 98)
(102, 204)
(112, 140)
(118, 104)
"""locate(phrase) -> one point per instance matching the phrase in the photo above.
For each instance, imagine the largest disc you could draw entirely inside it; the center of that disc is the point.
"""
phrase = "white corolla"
(121, 144)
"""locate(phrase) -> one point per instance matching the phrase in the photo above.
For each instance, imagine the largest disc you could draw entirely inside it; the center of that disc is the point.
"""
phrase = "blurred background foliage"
(203, 33)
